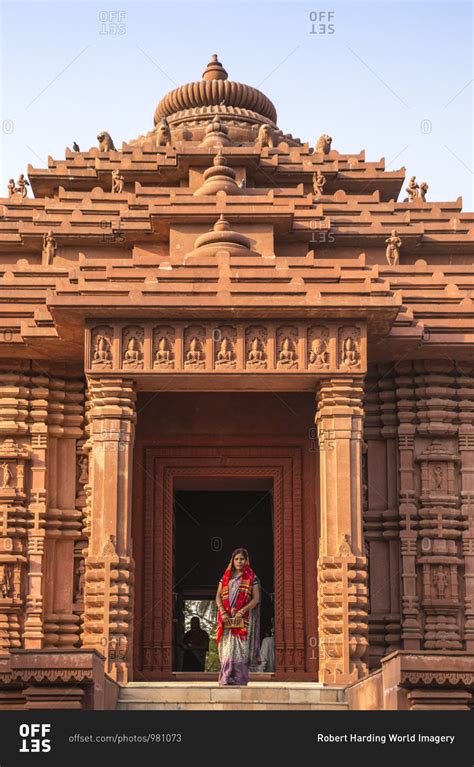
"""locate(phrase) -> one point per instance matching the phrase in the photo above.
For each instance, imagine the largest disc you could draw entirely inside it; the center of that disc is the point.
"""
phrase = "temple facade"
(220, 335)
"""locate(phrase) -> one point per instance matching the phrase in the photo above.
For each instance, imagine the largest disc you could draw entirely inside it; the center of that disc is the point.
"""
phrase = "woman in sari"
(238, 620)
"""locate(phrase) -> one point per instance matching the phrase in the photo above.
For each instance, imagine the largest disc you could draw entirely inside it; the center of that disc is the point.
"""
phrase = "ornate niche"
(440, 533)
(132, 347)
(164, 338)
(194, 347)
(256, 340)
(348, 346)
(318, 347)
(101, 347)
(287, 348)
(225, 340)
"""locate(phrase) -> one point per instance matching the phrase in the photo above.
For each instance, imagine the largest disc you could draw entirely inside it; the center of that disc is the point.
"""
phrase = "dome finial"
(214, 70)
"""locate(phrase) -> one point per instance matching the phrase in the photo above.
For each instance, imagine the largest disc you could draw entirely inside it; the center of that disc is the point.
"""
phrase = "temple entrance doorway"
(216, 455)
(212, 517)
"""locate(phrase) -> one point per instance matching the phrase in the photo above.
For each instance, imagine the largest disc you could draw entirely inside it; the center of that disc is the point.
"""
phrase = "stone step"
(208, 695)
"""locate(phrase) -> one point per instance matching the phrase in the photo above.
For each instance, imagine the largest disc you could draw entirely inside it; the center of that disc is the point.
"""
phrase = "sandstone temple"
(217, 334)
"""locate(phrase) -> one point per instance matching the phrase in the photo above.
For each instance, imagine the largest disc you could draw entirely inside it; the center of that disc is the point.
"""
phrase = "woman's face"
(239, 561)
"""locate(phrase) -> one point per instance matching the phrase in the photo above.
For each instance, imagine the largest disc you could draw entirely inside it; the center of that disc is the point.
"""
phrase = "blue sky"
(393, 78)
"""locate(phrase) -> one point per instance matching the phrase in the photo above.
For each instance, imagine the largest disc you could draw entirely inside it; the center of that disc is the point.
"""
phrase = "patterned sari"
(238, 647)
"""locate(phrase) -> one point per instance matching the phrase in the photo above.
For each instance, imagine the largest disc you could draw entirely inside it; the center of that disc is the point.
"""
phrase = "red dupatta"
(243, 597)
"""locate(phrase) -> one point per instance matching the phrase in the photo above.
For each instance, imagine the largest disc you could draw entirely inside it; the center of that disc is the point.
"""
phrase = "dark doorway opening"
(208, 526)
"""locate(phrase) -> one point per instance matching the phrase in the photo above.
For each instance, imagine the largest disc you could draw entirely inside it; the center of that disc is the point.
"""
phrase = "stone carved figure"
(438, 476)
(323, 144)
(105, 141)
(80, 572)
(392, 251)
(163, 133)
(265, 137)
(21, 185)
(7, 475)
(133, 353)
(117, 181)
(50, 247)
(195, 354)
(287, 355)
(319, 181)
(83, 465)
(440, 580)
(423, 190)
(11, 187)
(163, 354)
(102, 354)
(256, 355)
(225, 354)
(345, 548)
(318, 355)
(350, 355)
(6, 581)
(412, 189)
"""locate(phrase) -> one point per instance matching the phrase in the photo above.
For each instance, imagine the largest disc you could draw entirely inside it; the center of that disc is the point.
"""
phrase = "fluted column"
(108, 597)
(342, 564)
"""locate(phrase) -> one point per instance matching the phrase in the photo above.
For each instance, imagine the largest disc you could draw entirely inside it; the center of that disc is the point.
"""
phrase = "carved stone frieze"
(256, 347)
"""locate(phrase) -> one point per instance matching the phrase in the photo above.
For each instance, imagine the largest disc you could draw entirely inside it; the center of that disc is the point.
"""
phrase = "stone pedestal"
(342, 564)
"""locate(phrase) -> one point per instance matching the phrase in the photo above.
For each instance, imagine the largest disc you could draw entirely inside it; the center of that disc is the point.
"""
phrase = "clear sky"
(392, 78)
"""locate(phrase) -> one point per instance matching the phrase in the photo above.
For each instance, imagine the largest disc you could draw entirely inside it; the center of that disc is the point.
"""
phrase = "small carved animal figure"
(423, 190)
(265, 137)
(105, 141)
(163, 133)
(323, 144)
(11, 187)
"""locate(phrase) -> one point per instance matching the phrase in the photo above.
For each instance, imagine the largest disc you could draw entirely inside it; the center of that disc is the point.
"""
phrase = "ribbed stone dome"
(216, 90)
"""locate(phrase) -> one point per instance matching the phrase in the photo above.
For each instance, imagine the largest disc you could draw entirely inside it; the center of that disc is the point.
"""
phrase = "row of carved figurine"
(225, 356)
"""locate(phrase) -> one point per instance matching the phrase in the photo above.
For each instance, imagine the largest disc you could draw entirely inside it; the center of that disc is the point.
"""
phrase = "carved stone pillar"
(342, 564)
(466, 449)
(409, 519)
(381, 527)
(14, 458)
(108, 593)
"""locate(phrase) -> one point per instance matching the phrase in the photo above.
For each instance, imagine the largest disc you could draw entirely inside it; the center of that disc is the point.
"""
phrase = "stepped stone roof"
(277, 249)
